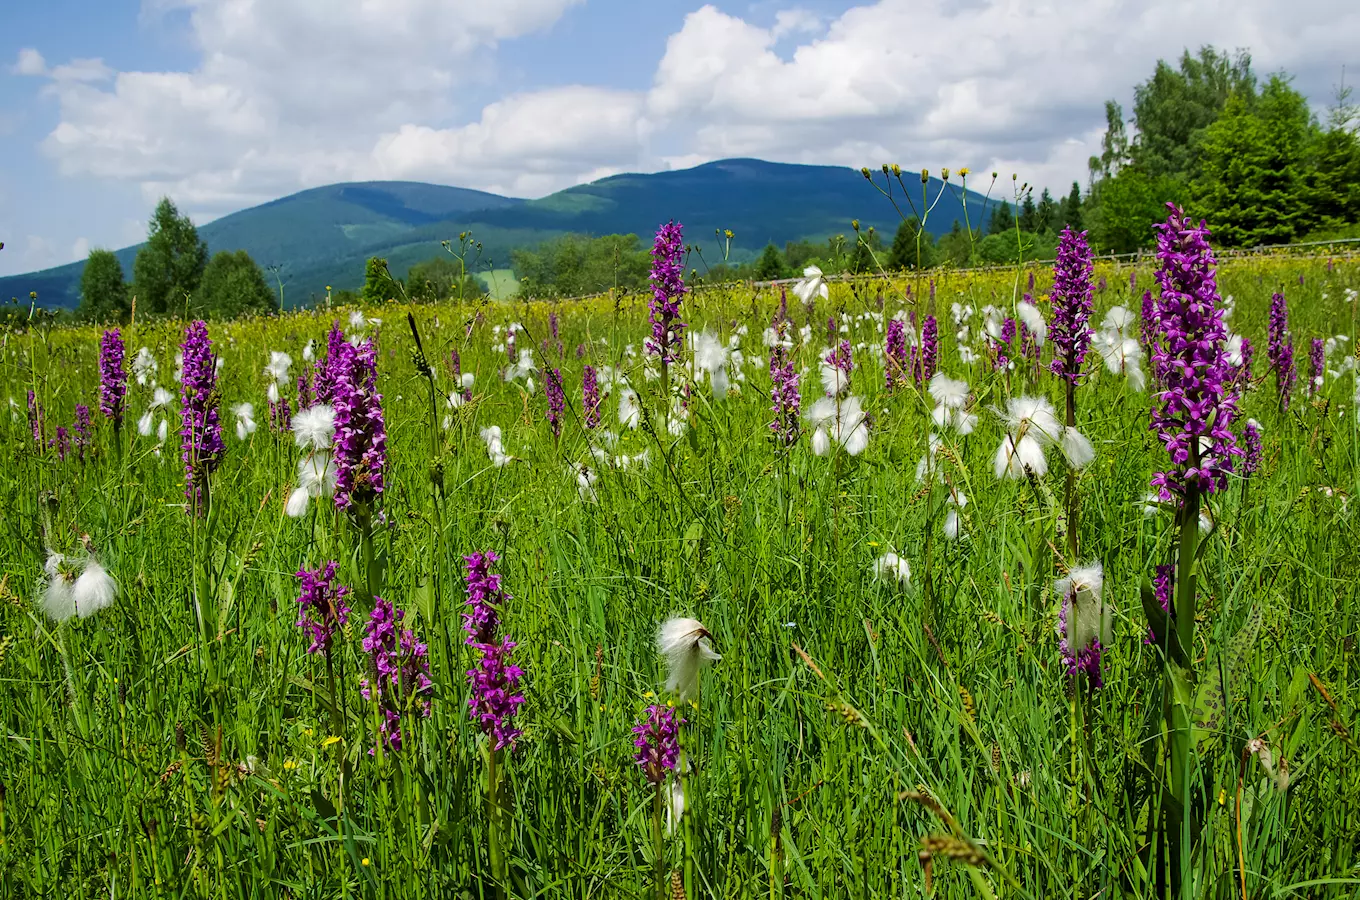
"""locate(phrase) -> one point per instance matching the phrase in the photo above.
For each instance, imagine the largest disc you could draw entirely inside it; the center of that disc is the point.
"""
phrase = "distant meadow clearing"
(971, 584)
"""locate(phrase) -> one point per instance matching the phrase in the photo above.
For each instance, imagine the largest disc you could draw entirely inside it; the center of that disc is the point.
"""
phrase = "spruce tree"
(907, 253)
(770, 266)
(103, 292)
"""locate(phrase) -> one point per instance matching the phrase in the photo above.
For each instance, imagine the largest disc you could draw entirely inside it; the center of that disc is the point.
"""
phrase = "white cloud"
(30, 62)
(80, 249)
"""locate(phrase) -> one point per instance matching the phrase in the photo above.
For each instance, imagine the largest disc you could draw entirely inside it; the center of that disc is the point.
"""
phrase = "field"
(863, 734)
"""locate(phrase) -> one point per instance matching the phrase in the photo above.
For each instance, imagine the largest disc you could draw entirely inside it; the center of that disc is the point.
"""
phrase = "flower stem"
(494, 821)
(658, 846)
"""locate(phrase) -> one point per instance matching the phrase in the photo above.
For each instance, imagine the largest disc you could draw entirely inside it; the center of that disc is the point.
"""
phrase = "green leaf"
(1210, 702)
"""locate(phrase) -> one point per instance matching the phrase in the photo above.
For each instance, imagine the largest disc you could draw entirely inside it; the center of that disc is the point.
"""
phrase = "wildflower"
(710, 356)
(658, 742)
(1121, 353)
(1197, 405)
(37, 421)
(950, 396)
(785, 400)
(812, 284)
(684, 645)
(1031, 425)
(82, 430)
(144, 367)
(557, 400)
(201, 432)
(1071, 300)
(316, 479)
(925, 355)
(836, 368)
(585, 479)
(401, 669)
(1033, 324)
(245, 420)
(590, 397)
(491, 436)
(840, 423)
(360, 446)
(891, 566)
(321, 603)
(1280, 349)
(495, 679)
(953, 527)
(314, 428)
(112, 377)
(668, 288)
(630, 415)
(75, 587)
(895, 352)
(1251, 448)
(280, 364)
(62, 442)
(1085, 623)
(1317, 360)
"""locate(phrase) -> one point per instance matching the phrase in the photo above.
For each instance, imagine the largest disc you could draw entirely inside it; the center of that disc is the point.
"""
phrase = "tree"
(1069, 211)
(233, 285)
(378, 284)
(1333, 185)
(171, 264)
(576, 265)
(1046, 214)
(907, 252)
(1002, 219)
(1172, 109)
(103, 292)
(867, 254)
(1029, 214)
(441, 278)
(798, 254)
(1253, 161)
(1130, 203)
(770, 266)
(956, 247)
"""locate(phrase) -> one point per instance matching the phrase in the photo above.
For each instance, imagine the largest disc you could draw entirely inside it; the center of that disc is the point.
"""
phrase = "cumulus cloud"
(295, 93)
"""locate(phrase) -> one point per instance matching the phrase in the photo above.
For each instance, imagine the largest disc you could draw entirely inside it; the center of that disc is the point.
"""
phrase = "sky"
(107, 105)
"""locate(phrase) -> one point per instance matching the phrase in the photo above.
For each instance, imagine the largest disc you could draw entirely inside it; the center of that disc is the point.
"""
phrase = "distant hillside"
(323, 236)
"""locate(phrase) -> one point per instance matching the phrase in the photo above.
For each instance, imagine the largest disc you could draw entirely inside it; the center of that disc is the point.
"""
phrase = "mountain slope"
(323, 236)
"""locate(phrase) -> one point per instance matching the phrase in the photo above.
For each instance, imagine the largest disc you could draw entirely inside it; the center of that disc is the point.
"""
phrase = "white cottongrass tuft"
(1016, 459)
(94, 590)
(356, 319)
(890, 566)
(1033, 320)
(1088, 617)
(948, 392)
(75, 588)
(585, 477)
(245, 420)
(316, 478)
(685, 646)
(812, 283)
(144, 366)
(523, 369)
(1076, 449)
(314, 427)
(309, 352)
(1123, 356)
(144, 424)
(57, 598)
(710, 356)
(838, 423)
(279, 365)
(629, 413)
(495, 450)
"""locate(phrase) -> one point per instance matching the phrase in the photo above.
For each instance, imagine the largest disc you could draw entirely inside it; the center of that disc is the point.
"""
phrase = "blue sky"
(105, 105)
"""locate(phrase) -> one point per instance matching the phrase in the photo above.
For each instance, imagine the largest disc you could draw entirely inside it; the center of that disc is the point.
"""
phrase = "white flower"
(309, 351)
(711, 357)
(162, 431)
(316, 478)
(160, 397)
(585, 478)
(1016, 459)
(273, 392)
(1122, 356)
(279, 365)
(523, 369)
(245, 420)
(890, 565)
(1119, 320)
(811, 283)
(841, 423)
(495, 450)
(144, 366)
(927, 464)
(1089, 617)
(314, 427)
(66, 593)
(948, 392)
(629, 413)
(356, 319)
(675, 809)
(952, 523)
(684, 645)
(144, 424)
(1233, 350)
(58, 599)
(1033, 320)
(1076, 448)
(468, 380)
(94, 590)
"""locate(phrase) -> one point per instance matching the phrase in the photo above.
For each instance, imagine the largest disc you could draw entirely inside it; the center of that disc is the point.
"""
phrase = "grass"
(849, 718)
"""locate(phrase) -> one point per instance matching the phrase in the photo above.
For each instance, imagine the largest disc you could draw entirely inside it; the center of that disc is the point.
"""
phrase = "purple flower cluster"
(841, 358)
(1280, 349)
(1002, 347)
(328, 368)
(1197, 403)
(402, 671)
(281, 416)
(1244, 370)
(112, 376)
(1081, 659)
(1317, 358)
(557, 399)
(360, 432)
(322, 606)
(668, 287)
(495, 677)
(658, 742)
(304, 390)
(786, 402)
(894, 353)
(62, 442)
(925, 356)
(200, 429)
(590, 397)
(1070, 330)
(82, 430)
(1251, 448)
(37, 421)
(1161, 585)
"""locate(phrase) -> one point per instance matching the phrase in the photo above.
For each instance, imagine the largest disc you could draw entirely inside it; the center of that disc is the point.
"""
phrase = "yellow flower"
(330, 740)
(649, 695)
(963, 173)
(290, 764)
(873, 543)
(364, 860)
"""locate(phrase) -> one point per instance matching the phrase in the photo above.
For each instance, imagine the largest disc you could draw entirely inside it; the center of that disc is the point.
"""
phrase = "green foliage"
(1069, 211)
(867, 254)
(1252, 176)
(1046, 213)
(169, 267)
(576, 265)
(1009, 247)
(442, 278)
(1172, 109)
(958, 247)
(233, 285)
(912, 247)
(1128, 205)
(1002, 220)
(103, 292)
(379, 286)
(770, 266)
(1333, 184)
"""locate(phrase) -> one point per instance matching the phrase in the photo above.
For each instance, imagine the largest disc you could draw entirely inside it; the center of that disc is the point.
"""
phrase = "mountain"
(323, 236)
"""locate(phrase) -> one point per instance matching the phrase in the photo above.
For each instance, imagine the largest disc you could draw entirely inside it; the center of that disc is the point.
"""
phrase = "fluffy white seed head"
(684, 645)
(1076, 449)
(314, 427)
(891, 567)
(94, 590)
(1033, 320)
(1015, 459)
(948, 392)
(1089, 616)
